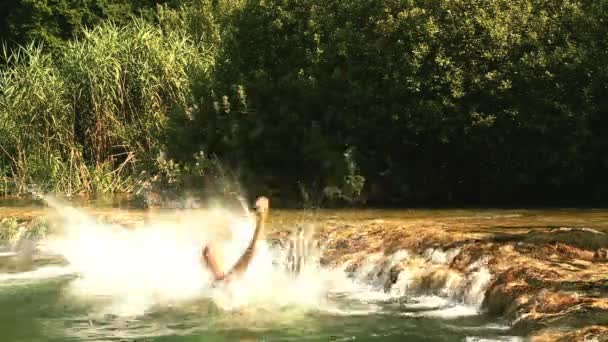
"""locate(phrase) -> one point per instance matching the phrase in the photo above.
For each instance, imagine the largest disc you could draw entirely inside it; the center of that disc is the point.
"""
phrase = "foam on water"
(451, 311)
(495, 339)
(45, 272)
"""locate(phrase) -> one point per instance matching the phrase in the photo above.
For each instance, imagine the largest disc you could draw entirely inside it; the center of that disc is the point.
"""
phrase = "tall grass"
(95, 116)
(36, 140)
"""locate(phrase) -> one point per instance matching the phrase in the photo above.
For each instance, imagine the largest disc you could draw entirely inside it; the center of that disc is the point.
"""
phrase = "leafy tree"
(56, 21)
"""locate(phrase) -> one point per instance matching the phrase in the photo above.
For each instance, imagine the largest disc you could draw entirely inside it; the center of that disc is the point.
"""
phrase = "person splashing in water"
(209, 257)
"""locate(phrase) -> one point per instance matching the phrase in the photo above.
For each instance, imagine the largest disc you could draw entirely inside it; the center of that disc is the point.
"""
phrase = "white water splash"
(134, 270)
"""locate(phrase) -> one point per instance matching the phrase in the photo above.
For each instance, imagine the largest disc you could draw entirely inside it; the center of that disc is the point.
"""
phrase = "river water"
(96, 281)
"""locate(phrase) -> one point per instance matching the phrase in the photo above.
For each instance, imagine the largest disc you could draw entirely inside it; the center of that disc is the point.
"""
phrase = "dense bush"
(52, 22)
(440, 100)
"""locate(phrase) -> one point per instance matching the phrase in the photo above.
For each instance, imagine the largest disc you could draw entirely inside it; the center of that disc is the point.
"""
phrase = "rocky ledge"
(549, 281)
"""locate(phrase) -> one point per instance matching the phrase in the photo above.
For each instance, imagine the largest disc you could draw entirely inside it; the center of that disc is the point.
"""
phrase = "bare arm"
(244, 261)
(211, 262)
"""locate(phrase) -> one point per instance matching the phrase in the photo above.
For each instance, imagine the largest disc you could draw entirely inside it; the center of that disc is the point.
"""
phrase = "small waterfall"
(441, 257)
(479, 280)
(427, 279)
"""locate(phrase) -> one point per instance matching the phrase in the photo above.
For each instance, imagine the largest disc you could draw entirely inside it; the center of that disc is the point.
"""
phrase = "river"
(107, 281)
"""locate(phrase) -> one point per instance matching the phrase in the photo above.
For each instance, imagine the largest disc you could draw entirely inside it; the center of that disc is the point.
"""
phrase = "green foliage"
(352, 184)
(37, 229)
(338, 100)
(54, 22)
(448, 100)
(9, 229)
(92, 118)
(124, 81)
(34, 118)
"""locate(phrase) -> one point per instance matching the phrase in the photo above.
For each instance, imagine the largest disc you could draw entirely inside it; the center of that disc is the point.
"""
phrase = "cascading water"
(133, 273)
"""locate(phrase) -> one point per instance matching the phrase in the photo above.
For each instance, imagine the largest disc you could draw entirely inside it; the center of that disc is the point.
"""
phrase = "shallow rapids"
(103, 281)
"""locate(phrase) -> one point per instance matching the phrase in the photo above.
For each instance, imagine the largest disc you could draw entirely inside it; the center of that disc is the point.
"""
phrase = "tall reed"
(36, 140)
(95, 116)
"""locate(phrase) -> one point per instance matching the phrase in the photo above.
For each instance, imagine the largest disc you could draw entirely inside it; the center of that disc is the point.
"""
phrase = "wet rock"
(542, 278)
(507, 294)
(581, 238)
(591, 333)
(601, 254)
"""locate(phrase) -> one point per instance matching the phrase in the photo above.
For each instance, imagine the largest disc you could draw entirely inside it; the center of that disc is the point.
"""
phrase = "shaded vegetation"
(358, 101)
(52, 22)
(13, 229)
